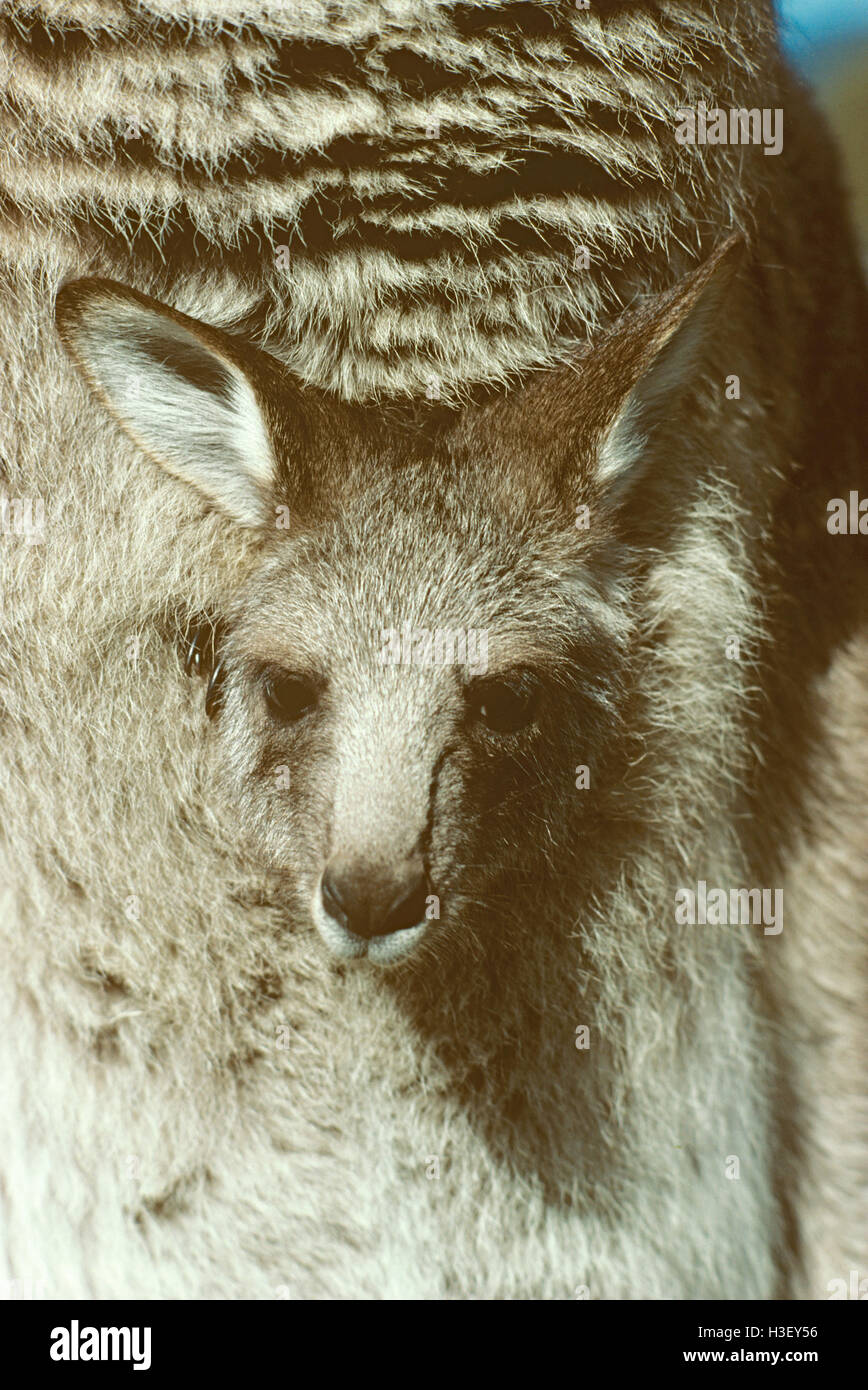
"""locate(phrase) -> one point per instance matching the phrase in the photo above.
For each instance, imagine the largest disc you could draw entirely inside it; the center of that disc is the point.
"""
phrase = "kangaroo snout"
(371, 902)
(372, 910)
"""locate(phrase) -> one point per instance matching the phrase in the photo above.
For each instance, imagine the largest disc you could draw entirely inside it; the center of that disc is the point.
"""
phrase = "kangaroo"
(374, 983)
(426, 821)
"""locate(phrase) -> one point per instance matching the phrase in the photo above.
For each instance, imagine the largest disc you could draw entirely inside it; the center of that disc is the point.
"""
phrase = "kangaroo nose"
(373, 903)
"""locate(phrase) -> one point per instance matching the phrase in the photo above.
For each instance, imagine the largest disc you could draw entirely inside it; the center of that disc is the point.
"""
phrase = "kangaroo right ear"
(184, 392)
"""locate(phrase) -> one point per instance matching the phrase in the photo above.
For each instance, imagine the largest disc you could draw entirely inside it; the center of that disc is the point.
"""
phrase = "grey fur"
(159, 1139)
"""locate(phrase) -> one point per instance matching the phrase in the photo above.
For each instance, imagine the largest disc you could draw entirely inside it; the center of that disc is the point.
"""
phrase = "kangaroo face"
(425, 653)
(396, 692)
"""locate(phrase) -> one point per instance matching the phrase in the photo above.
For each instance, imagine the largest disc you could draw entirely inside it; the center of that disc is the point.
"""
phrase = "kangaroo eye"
(505, 706)
(289, 697)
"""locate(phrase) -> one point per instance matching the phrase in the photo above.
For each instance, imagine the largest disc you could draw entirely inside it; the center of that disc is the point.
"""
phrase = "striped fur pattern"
(391, 190)
(388, 196)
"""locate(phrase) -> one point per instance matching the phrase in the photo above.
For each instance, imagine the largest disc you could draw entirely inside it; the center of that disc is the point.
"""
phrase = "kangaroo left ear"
(587, 424)
(648, 358)
(189, 395)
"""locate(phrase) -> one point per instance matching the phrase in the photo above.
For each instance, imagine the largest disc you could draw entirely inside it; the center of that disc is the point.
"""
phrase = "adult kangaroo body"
(414, 208)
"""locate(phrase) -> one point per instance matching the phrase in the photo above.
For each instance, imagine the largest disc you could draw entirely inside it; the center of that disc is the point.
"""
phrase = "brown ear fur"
(563, 416)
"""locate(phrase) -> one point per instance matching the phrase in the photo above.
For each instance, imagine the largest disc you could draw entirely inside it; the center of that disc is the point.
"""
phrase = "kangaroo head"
(437, 632)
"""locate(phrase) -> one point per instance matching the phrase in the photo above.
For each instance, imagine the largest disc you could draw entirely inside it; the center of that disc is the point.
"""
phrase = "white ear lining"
(626, 439)
(623, 444)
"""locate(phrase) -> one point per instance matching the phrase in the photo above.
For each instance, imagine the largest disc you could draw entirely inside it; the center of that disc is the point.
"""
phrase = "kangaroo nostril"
(409, 907)
(331, 898)
(372, 903)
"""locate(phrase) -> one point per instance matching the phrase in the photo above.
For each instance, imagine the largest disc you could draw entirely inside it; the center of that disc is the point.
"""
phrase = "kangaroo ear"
(184, 392)
(640, 368)
(587, 425)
